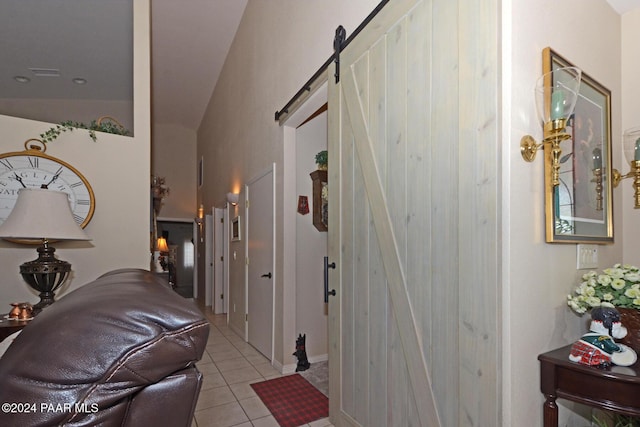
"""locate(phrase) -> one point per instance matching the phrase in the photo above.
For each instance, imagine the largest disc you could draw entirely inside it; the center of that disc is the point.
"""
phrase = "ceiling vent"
(45, 72)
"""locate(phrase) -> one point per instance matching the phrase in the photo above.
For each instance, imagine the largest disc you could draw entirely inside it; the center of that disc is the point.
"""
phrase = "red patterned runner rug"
(292, 400)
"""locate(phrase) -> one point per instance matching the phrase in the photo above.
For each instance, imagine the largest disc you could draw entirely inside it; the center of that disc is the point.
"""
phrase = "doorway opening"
(311, 240)
(305, 133)
(181, 259)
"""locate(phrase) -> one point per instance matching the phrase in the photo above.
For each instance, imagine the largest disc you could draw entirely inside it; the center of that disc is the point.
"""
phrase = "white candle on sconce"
(557, 105)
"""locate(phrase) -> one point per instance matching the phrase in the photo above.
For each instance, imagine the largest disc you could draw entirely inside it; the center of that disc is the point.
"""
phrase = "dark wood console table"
(614, 389)
(8, 326)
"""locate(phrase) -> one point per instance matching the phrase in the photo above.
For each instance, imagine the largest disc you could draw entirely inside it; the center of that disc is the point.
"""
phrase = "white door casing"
(311, 244)
(209, 265)
(219, 248)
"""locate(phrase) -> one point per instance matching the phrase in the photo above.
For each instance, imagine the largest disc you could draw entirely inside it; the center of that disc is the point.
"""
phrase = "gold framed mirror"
(580, 208)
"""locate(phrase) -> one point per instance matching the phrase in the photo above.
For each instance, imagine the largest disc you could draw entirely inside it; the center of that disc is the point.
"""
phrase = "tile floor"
(229, 366)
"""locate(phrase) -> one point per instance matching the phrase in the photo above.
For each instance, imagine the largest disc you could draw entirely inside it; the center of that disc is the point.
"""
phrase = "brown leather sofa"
(120, 351)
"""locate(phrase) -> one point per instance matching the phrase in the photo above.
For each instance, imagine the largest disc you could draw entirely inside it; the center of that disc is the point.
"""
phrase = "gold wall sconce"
(631, 148)
(556, 94)
(575, 111)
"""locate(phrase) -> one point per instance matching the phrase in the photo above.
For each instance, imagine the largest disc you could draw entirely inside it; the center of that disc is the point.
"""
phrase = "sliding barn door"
(414, 320)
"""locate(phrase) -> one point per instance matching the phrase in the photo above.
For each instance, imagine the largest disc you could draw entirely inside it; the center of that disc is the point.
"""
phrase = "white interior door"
(197, 257)
(219, 245)
(260, 265)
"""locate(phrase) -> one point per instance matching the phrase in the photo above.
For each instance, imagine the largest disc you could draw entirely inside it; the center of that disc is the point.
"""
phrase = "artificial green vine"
(99, 126)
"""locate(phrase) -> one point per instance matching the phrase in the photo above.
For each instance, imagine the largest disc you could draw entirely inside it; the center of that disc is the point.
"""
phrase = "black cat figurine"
(301, 353)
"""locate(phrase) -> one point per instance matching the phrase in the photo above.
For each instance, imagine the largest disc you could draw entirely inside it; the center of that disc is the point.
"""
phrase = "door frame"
(195, 246)
(315, 99)
(208, 260)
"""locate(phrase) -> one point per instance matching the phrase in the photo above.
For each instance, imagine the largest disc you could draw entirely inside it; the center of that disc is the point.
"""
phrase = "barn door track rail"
(339, 43)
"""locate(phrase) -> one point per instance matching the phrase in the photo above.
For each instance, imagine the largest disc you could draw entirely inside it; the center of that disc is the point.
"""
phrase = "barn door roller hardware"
(339, 43)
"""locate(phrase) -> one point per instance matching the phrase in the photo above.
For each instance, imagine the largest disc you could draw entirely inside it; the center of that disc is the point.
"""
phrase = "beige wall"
(538, 276)
(276, 50)
(77, 110)
(630, 118)
(174, 158)
(118, 170)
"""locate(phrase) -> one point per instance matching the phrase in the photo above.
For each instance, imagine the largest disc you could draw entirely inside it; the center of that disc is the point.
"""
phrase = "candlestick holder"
(597, 176)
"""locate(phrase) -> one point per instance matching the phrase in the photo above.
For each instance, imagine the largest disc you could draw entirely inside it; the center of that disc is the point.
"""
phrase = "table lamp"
(163, 252)
(42, 215)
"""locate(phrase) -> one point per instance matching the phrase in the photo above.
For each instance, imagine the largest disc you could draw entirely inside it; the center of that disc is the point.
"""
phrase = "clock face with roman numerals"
(33, 169)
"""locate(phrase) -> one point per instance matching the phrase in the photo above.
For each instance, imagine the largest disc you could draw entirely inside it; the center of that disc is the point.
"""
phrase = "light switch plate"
(587, 257)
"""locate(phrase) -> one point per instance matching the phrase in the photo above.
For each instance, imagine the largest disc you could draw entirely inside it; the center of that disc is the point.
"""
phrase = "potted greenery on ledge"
(322, 160)
(104, 124)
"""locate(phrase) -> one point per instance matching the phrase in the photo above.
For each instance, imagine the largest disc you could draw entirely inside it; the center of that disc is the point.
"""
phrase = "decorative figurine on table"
(597, 347)
(21, 311)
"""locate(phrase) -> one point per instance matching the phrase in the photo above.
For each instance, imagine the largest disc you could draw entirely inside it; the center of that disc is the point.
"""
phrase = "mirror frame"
(572, 210)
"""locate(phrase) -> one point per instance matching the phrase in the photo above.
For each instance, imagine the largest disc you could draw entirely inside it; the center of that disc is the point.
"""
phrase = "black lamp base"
(45, 274)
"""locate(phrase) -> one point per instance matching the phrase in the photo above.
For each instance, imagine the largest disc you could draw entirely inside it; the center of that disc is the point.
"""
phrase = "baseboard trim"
(291, 368)
(236, 330)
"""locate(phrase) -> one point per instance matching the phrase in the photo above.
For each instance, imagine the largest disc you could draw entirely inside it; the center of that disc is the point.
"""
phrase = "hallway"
(229, 366)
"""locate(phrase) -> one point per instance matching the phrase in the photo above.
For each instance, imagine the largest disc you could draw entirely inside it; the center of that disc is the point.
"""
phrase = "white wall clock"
(33, 168)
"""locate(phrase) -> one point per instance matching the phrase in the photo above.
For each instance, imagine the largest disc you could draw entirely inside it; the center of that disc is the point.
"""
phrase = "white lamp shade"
(557, 93)
(42, 214)
(631, 144)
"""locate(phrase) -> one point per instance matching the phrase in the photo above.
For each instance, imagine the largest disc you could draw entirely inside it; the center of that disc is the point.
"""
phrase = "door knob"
(268, 275)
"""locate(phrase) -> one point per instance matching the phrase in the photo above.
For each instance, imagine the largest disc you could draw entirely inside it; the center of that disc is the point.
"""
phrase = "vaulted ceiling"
(52, 42)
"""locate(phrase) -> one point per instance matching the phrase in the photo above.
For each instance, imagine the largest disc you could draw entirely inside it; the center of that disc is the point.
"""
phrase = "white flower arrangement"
(618, 286)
